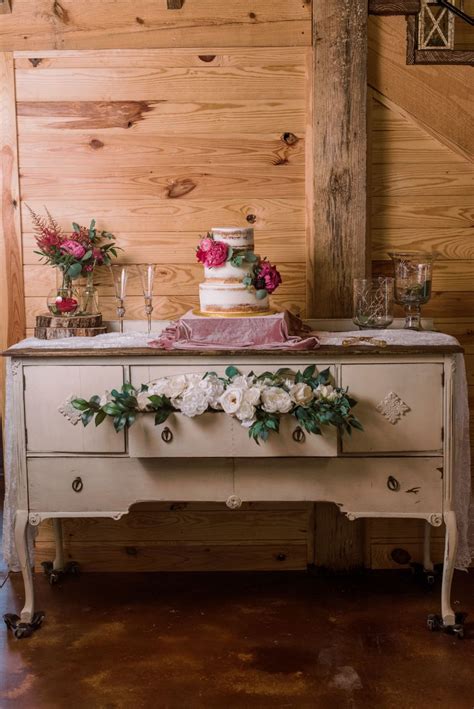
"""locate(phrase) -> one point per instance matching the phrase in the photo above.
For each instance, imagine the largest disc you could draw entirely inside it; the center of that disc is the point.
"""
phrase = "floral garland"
(261, 274)
(257, 401)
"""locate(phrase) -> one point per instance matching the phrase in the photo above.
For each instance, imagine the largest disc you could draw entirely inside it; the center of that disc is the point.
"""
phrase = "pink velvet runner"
(279, 331)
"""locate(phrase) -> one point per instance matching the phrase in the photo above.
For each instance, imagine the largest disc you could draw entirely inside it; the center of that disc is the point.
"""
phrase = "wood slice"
(69, 321)
(55, 333)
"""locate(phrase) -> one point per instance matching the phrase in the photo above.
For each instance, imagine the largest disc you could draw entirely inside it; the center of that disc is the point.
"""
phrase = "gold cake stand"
(253, 314)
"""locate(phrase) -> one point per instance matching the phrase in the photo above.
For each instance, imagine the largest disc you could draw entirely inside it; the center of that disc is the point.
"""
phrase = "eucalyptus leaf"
(261, 293)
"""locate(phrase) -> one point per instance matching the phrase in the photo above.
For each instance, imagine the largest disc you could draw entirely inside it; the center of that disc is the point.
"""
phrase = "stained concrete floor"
(179, 641)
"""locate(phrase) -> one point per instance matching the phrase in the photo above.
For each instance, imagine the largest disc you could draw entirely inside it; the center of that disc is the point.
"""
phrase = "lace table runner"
(462, 469)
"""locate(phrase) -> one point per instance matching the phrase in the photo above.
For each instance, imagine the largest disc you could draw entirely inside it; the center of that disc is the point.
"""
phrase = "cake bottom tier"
(230, 298)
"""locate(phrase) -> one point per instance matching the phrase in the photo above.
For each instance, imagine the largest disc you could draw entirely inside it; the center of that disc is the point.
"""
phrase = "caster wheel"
(430, 579)
(433, 623)
(73, 568)
(47, 567)
(458, 630)
(53, 578)
(22, 631)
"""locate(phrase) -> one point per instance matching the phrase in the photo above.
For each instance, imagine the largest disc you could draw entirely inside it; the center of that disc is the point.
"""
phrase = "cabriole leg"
(29, 620)
(450, 548)
(427, 561)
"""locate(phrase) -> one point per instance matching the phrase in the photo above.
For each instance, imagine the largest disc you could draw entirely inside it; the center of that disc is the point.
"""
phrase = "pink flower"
(212, 253)
(268, 277)
(97, 255)
(217, 254)
(49, 240)
(205, 245)
(73, 248)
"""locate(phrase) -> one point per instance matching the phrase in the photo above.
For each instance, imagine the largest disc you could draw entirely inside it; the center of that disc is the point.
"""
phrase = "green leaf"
(272, 423)
(92, 225)
(231, 372)
(111, 409)
(261, 293)
(87, 255)
(161, 416)
(87, 417)
(94, 399)
(251, 257)
(120, 422)
(309, 371)
(74, 271)
(100, 416)
(76, 227)
(80, 404)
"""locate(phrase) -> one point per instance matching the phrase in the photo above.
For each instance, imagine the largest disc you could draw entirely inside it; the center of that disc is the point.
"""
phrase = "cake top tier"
(236, 237)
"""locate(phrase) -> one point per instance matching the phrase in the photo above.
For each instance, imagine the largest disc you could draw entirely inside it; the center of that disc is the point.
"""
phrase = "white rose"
(276, 400)
(246, 411)
(143, 400)
(213, 388)
(193, 402)
(326, 391)
(176, 386)
(192, 380)
(301, 394)
(231, 400)
(158, 387)
(252, 395)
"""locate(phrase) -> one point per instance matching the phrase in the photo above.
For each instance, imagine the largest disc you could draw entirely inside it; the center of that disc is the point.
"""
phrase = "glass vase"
(90, 296)
(63, 301)
(413, 279)
(373, 303)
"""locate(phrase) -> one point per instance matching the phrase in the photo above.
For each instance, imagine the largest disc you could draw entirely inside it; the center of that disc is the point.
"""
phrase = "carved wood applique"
(392, 407)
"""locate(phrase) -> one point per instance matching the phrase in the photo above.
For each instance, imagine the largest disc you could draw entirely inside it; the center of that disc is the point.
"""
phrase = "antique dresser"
(400, 466)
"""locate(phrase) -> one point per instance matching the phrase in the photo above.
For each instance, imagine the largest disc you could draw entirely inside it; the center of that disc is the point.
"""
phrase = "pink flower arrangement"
(212, 253)
(267, 277)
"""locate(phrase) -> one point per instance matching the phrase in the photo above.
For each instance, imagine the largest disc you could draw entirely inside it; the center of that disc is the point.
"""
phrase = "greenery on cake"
(257, 401)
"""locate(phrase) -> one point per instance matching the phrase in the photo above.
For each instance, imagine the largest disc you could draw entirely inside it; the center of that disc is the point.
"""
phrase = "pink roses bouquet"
(76, 253)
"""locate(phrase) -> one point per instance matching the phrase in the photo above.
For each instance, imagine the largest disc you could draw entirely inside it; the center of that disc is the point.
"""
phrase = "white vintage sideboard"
(399, 466)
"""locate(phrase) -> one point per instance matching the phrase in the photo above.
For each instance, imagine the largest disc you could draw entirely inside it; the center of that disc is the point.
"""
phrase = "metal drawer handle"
(77, 484)
(299, 435)
(393, 484)
(167, 435)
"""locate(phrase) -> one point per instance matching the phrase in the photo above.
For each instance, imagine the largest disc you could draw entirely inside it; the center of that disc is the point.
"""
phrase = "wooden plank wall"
(158, 146)
(421, 190)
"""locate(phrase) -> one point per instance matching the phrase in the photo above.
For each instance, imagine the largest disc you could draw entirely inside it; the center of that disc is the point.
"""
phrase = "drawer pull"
(77, 484)
(167, 435)
(280, 556)
(299, 435)
(393, 484)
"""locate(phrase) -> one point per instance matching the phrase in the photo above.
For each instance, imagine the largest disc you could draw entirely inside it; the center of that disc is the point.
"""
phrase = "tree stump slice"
(73, 321)
(56, 333)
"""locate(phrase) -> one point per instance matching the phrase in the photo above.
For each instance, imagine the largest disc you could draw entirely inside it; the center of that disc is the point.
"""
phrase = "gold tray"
(253, 314)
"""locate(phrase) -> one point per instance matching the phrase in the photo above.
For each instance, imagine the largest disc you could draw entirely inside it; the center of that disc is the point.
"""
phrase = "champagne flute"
(119, 276)
(147, 276)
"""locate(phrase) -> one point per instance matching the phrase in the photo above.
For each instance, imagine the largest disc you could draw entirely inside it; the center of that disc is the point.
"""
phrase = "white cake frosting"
(223, 291)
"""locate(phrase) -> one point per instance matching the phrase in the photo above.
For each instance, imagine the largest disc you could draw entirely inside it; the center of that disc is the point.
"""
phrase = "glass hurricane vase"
(373, 303)
(413, 279)
(63, 301)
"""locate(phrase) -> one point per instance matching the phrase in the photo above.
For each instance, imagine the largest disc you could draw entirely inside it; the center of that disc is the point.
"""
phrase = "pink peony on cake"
(237, 281)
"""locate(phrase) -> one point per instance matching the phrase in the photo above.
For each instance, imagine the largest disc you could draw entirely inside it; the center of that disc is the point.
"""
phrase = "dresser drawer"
(113, 484)
(400, 407)
(366, 487)
(47, 389)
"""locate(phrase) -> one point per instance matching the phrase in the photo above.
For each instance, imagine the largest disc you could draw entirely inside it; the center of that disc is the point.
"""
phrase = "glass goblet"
(147, 276)
(119, 277)
(413, 278)
(373, 303)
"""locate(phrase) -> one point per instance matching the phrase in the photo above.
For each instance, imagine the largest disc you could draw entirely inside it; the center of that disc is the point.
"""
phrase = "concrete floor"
(236, 641)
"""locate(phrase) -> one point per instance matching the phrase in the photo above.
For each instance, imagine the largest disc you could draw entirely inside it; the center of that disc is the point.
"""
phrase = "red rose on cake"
(267, 277)
(212, 253)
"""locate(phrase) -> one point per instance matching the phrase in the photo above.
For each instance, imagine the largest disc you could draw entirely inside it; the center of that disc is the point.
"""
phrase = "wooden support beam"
(337, 244)
(12, 308)
(394, 7)
(5, 7)
(337, 250)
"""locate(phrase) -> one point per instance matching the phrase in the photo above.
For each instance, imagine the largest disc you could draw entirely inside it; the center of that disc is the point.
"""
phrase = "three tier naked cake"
(237, 281)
